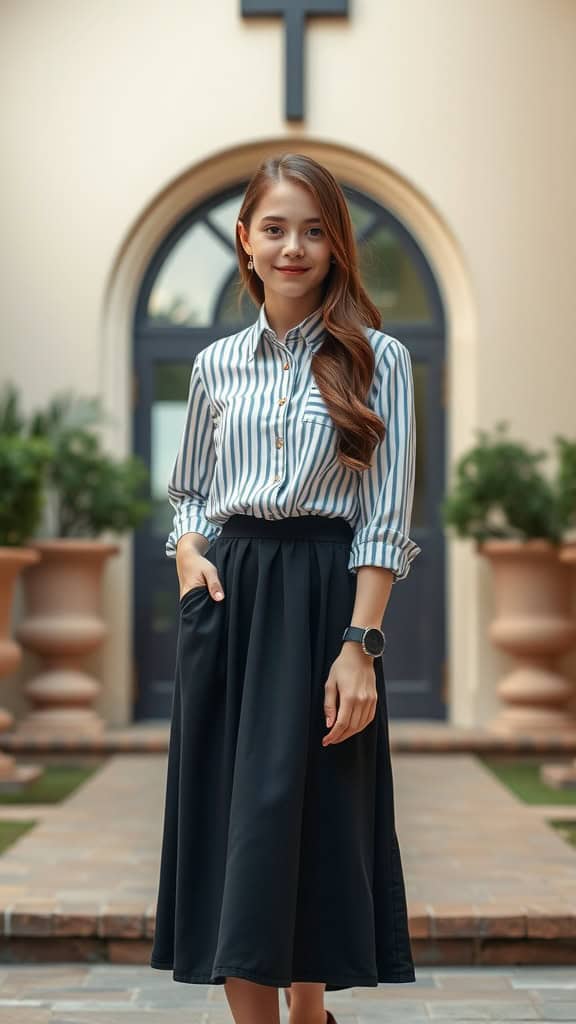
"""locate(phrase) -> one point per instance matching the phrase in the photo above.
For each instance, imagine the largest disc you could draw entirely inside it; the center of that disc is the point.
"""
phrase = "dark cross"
(294, 13)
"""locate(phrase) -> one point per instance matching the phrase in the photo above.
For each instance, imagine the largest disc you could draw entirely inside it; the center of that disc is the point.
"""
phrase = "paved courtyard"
(110, 994)
(478, 862)
(490, 886)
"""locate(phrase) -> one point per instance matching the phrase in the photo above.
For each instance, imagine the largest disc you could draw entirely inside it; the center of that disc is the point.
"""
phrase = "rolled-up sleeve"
(386, 488)
(189, 483)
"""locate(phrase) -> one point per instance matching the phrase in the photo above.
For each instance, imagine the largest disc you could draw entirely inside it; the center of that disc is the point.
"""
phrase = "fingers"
(210, 580)
(214, 586)
(195, 570)
(330, 702)
(353, 716)
(187, 585)
(340, 725)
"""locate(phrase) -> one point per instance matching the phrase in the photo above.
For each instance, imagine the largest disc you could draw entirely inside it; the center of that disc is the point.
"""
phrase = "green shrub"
(89, 491)
(23, 467)
(567, 480)
(500, 492)
(94, 492)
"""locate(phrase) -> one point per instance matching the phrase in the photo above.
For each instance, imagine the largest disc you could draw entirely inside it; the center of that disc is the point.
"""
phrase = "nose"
(293, 247)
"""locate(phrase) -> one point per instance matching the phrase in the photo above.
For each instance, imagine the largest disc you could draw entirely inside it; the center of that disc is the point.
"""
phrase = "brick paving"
(488, 882)
(106, 994)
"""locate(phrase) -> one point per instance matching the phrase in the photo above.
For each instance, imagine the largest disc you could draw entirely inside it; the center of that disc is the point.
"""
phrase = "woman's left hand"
(353, 678)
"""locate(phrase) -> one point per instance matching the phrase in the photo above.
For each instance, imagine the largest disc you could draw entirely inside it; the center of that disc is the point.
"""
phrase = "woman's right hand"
(194, 570)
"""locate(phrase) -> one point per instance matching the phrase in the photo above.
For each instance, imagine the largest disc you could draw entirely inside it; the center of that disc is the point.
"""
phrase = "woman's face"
(286, 231)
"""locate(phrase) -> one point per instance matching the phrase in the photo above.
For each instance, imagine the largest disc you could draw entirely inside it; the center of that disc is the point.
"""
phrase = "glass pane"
(361, 216)
(391, 279)
(225, 216)
(171, 382)
(420, 373)
(190, 278)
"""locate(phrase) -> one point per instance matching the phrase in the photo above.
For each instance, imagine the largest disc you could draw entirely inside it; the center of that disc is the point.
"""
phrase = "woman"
(292, 490)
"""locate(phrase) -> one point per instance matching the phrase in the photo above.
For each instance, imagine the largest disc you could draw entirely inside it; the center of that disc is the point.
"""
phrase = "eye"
(274, 227)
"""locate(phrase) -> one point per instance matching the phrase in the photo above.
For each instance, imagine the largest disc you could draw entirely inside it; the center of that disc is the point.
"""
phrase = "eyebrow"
(273, 216)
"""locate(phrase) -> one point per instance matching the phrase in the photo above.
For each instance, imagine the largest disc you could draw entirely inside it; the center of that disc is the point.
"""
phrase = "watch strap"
(357, 633)
(354, 633)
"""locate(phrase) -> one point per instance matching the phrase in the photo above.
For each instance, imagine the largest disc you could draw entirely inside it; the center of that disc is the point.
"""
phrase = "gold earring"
(250, 264)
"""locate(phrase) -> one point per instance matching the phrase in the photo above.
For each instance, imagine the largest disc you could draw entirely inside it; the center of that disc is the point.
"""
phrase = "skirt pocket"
(191, 594)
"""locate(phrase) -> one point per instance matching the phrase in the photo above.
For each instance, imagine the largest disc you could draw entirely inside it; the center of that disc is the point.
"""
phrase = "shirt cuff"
(193, 521)
(387, 556)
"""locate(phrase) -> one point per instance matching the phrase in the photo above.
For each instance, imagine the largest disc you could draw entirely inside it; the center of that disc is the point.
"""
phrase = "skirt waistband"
(329, 528)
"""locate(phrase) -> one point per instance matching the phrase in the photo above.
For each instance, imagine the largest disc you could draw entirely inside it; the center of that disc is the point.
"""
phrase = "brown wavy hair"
(344, 366)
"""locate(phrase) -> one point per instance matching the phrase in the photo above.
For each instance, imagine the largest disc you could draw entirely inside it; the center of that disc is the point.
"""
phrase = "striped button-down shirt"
(258, 439)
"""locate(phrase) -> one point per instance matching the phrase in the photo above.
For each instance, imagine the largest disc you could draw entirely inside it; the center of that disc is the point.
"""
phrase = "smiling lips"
(292, 270)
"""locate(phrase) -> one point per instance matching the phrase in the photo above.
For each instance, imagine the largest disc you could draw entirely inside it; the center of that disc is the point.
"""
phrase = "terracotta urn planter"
(562, 775)
(12, 561)
(533, 624)
(62, 625)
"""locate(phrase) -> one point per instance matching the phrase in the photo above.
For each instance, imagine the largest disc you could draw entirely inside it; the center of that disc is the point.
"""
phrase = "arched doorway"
(188, 299)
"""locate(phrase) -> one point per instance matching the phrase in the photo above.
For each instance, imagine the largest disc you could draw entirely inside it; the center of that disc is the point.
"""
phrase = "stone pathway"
(105, 994)
(479, 864)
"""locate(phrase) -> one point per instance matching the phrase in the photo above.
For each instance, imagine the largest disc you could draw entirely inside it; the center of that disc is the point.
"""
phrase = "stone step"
(406, 736)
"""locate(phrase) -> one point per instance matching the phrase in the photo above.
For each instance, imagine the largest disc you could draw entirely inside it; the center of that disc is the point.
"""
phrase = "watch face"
(373, 642)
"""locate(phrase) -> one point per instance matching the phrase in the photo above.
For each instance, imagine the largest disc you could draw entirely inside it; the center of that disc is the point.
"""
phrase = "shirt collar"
(311, 329)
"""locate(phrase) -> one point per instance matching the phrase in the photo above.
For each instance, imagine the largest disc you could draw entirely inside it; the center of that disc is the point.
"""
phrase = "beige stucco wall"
(459, 113)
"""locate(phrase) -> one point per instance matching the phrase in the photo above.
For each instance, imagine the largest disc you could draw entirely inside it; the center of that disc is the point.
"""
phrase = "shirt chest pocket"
(316, 410)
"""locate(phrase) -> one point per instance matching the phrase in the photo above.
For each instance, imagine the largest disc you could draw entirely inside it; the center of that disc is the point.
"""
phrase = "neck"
(283, 313)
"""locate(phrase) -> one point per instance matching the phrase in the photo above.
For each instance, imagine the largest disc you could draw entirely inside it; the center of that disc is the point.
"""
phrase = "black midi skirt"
(280, 859)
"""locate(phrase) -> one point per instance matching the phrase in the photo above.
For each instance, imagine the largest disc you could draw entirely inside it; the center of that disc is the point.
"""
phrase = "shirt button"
(279, 442)
(282, 401)
(276, 477)
(286, 366)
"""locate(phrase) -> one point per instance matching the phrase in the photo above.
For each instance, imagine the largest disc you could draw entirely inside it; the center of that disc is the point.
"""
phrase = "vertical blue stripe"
(228, 454)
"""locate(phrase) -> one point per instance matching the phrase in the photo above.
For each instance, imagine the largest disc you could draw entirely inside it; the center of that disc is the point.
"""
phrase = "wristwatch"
(372, 639)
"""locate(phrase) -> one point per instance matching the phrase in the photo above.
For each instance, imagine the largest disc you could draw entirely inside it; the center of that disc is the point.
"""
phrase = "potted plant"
(88, 492)
(567, 496)
(23, 465)
(517, 519)
(564, 774)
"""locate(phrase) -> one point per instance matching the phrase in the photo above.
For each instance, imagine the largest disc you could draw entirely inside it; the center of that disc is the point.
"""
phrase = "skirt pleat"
(280, 860)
